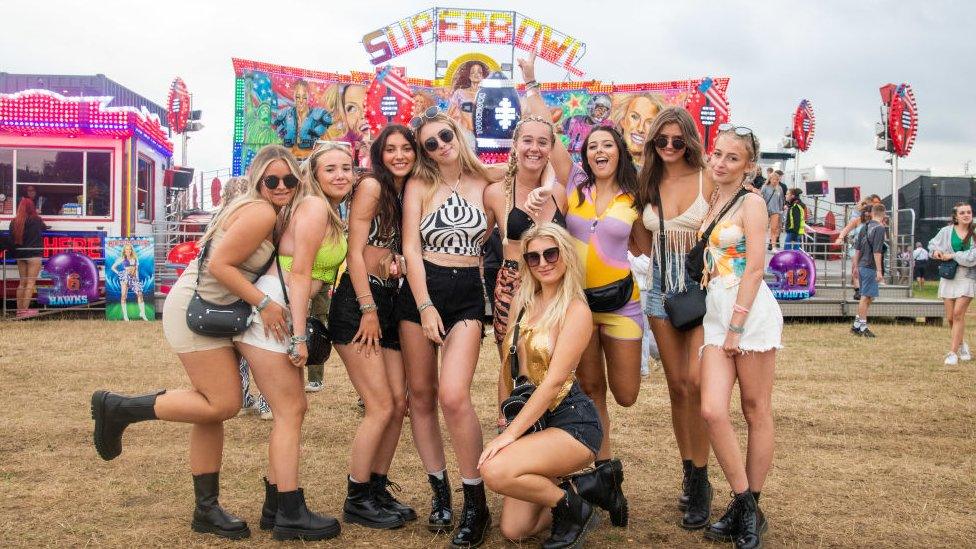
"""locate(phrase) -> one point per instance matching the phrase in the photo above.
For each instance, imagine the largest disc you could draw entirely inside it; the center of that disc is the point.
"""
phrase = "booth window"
(144, 188)
(72, 183)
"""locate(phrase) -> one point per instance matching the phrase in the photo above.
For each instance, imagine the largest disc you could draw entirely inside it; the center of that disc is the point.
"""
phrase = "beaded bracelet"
(367, 307)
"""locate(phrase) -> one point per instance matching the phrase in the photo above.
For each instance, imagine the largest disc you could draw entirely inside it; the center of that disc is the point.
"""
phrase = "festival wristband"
(424, 305)
(367, 307)
(265, 301)
(737, 329)
(740, 309)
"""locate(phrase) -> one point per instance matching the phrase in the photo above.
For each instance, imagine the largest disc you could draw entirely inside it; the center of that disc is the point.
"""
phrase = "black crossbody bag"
(319, 342)
(214, 320)
(686, 309)
(522, 387)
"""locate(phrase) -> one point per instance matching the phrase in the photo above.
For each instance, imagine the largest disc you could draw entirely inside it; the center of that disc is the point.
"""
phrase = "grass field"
(875, 447)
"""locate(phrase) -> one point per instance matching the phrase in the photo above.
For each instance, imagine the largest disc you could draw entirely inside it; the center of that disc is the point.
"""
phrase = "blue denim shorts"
(577, 415)
(654, 297)
(869, 286)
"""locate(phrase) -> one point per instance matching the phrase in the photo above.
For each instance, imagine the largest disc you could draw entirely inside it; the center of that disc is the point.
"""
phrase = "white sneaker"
(264, 409)
(951, 359)
(964, 354)
(313, 387)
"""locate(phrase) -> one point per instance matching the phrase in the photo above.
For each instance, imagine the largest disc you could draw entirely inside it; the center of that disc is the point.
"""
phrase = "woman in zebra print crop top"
(441, 308)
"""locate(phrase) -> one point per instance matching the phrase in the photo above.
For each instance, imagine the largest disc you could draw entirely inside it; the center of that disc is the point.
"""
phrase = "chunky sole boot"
(361, 507)
(700, 503)
(602, 487)
(113, 413)
(208, 516)
(572, 519)
(475, 518)
(749, 534)
(686, 467)
(441, 519)
(724, 529)
(270, 507)
(295, 521)
(381, 491)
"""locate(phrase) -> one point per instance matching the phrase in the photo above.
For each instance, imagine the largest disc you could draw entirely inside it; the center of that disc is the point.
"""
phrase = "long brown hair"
(389, 209)
(626, 173)
(652, 171)
(25, 211)
(955, 219)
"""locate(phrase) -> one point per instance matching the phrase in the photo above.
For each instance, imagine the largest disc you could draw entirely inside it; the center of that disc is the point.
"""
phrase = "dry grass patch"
(875, 443)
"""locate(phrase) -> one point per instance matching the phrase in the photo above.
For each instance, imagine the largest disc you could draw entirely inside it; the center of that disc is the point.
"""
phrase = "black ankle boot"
(475, 518)
(208, 516)
(602, 487)
(726, 528)
(381, 491)
(572, 518)
(295, 521)
(113, 413)
(686, 466)
(361, 507)
(270, 507)
(700, 500)
(749, 534)
(441, 517)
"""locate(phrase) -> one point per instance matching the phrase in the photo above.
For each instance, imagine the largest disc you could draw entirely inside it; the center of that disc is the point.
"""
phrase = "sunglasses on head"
(741, 131)
(446, 136)
(272, 181)
(532, 259)
(661, 142)
(418, 121)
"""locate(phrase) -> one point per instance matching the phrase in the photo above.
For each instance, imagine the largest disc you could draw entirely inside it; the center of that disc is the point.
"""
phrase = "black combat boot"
(270, 507)
(602, 487)
(361, 507)
(475, 518)
(750, 532)
(381, 491)
(572, 518)
(208, 516)
(441, 517)
(295, 521)
(113, 413)
(686, 466)
(700, 502)
(726, 528)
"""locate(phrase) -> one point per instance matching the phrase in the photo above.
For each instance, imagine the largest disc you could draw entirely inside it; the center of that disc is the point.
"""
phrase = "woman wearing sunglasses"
(441, 308)
(239, 244)
(554, 326)
(602, 219)
(362, 322)
(742, 330)
(673, 179)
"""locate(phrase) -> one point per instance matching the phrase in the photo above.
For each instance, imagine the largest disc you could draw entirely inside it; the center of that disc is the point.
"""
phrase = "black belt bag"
(613, 296)
(947, 269)
(214, 320)
(522, 387)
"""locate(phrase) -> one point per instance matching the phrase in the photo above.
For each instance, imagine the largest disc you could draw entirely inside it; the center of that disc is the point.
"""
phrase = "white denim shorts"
(254, 335)
(763, 326)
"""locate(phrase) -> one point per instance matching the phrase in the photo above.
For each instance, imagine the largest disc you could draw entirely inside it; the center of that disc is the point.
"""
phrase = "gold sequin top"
(534, 356)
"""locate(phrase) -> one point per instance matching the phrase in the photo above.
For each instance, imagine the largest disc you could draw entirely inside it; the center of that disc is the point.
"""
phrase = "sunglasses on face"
(272, 181)
(741, 131)
(418, 121)
(446, 136)
(661, 142)
(532, 259)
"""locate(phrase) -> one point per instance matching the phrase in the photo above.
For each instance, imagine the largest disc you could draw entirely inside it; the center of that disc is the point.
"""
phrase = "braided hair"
(512, 171)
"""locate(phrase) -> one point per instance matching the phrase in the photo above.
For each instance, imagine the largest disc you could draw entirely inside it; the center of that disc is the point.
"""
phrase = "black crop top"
(519, 222)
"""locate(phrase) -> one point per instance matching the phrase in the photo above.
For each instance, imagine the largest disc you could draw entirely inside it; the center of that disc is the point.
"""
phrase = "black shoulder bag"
(213, 320)
(686, 309)
(522, 387)
(319, 342)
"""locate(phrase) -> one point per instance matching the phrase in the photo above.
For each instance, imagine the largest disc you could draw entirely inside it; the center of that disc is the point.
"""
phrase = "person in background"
(26, 230)
(869, 249)
(954, 242)
(796, 223)
(774, 196)
(859, 215)
(40, 202)
(921, 257)
(759, 180)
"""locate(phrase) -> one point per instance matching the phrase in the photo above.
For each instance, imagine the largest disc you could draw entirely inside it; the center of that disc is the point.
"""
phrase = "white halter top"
(680, 234)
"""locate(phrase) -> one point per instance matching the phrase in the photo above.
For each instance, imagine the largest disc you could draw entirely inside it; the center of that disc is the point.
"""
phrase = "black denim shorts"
(344, 315)
(577, 415)
(458, 294)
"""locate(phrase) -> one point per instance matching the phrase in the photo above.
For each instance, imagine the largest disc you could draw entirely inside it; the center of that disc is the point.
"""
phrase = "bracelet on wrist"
(358, 297)
(265, 301)
(531, 83)
(424, 305)
(367, 307)
(736, 308)
(299, 338)
(737, 329)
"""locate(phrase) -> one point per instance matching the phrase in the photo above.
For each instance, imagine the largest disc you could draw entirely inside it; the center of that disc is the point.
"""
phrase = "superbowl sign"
(506, 28)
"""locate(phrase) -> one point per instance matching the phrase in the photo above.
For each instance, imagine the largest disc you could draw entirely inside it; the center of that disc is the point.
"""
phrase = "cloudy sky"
(835, 53)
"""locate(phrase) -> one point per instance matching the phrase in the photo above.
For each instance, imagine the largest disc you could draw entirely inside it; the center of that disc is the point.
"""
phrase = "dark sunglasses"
(661, 142)
(446, 136)
(741, 131)
(429, 114)
(532, 259)
(272, 181)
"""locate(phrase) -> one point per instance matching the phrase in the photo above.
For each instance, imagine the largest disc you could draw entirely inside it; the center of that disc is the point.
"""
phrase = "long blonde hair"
(426, 168)
(336, 226)
(252, 194)
(530, 288)
(512, 171)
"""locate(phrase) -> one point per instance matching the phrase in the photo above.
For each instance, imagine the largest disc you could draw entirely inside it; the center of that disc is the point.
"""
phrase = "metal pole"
(893, 248)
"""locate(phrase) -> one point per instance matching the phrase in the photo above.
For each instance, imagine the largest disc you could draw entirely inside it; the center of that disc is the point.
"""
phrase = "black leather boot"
(381, 491)
(208, 516)
(686, 466)
(270, 507)
(112, 413)
(441, 517)
(602, 487)
(726, 528)
(475, 518)
(295, 521)
(362, 508)
(700, 500)
(572, 518)
(749, 534)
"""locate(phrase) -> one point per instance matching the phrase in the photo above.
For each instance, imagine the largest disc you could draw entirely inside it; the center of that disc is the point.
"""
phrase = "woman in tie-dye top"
(602, 219)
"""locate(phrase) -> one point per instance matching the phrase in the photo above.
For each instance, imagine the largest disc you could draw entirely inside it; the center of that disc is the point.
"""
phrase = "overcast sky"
(835, 53)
